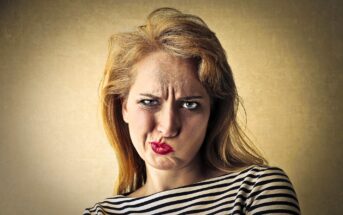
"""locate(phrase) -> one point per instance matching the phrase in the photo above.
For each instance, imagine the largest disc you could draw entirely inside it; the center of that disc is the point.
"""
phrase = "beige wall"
(286, 55)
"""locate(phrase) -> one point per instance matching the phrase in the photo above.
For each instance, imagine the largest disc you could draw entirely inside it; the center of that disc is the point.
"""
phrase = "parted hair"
(226, 147)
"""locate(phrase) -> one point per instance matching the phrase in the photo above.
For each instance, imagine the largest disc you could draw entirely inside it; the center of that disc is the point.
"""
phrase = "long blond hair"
(226, 147)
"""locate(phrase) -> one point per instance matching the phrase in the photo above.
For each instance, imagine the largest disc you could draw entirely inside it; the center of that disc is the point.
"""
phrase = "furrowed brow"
(191, 97)
(149, 95)
(182, 98)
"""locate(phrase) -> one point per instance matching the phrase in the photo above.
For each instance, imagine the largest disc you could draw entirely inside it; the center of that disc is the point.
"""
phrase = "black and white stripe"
(256, 190)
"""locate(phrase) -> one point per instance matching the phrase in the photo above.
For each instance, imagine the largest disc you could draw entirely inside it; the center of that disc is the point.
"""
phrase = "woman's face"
(167, 111)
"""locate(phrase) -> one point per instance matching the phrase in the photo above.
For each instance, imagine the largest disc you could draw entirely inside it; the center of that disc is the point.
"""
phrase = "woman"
(169, 105)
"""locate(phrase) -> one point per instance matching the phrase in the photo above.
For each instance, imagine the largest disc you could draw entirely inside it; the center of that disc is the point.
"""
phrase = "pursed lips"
(161, 148)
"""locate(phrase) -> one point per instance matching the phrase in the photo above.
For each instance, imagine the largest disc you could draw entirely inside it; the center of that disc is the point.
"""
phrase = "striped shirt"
(255, 190)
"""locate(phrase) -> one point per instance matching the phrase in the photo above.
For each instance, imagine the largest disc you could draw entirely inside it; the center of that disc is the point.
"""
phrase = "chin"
(164, 163)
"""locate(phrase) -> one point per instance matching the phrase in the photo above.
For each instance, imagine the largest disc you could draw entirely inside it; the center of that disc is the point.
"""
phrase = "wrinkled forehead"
(174, 72)
(163, 72)
(178, 85)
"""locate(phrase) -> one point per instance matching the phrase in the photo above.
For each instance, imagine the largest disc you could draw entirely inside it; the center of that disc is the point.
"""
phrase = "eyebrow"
(182, 98)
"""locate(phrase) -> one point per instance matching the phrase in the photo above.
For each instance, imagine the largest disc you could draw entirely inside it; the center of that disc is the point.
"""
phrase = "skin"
(167, 103)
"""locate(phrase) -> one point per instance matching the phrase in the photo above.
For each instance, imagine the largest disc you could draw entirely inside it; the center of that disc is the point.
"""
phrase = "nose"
(168, 122)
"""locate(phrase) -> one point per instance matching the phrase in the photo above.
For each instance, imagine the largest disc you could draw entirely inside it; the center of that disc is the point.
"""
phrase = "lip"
(161, 148)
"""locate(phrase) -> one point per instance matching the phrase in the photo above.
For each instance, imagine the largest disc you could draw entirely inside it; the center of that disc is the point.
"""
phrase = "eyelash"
(194, 105)
(151, 103)
(148, 102)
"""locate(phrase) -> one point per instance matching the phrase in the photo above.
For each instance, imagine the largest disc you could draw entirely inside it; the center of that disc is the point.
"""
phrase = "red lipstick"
(161, 148)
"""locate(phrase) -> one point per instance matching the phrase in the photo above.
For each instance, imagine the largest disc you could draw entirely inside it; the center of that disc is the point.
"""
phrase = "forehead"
(159, 71)
(164, 66)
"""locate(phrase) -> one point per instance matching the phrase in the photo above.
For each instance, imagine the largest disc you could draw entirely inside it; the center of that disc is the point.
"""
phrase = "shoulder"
(103, 206)
(265, 173)
(269, 190)
(254, 175)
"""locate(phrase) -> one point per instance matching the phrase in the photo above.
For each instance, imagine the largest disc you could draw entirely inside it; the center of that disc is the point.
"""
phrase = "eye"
(190, 105)
(148, 102)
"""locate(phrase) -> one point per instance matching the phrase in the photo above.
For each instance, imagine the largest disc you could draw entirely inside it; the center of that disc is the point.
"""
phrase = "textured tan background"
(287, 57)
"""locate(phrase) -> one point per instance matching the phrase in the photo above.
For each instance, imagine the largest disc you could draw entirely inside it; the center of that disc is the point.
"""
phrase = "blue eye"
(190, 105)
(148, 102)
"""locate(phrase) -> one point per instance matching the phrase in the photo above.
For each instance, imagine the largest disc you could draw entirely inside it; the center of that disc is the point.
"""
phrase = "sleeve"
(272, 193)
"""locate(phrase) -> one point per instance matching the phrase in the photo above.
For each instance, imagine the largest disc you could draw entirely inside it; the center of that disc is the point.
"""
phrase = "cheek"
(195, 131)
(141, 123)
(196, 125)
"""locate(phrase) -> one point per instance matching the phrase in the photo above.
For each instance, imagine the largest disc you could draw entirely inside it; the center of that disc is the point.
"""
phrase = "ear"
(124, 110)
